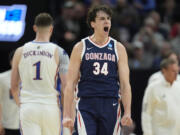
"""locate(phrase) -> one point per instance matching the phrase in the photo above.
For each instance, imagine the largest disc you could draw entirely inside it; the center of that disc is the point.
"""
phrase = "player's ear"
(51, 29)
(163, 70)
(92, 24)
(35, 28)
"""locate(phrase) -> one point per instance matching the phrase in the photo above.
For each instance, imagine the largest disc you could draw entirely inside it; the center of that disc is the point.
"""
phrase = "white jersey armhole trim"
(84, 47)
(115, 49)
(55, 47)
(59, 54)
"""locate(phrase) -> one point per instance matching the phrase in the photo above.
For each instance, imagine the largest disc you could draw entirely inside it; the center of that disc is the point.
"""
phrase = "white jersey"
(10, 111)
(38, 73)
(161, 107)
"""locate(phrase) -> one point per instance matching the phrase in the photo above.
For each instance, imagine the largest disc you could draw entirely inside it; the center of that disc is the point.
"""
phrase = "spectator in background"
(144, 6)
(176, 40)
(164, 51)
(89, 3)
(158, 75)
(140, 59)
(80, 16)
(66, 28)
(166, 11)
(125, 21)
(174, 30)
(175, 21)
(152, 40)
(9, 111)
(70, 26)
(54, 6)
(159, 27)
(161, 102)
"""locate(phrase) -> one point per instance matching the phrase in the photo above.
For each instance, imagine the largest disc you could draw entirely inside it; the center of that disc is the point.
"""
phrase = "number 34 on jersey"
(100, 70)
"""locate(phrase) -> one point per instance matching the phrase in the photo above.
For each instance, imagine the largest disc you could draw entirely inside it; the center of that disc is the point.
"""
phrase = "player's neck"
(42, 38)
(99, 40)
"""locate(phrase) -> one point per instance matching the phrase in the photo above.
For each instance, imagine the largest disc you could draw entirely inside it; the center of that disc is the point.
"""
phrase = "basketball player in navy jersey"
(103, 67)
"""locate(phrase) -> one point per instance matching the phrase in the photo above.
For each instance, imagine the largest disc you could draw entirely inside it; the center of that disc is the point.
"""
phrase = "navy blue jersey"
(99, 70)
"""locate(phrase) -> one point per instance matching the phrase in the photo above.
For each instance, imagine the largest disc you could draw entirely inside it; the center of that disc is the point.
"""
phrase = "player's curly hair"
(93, 12)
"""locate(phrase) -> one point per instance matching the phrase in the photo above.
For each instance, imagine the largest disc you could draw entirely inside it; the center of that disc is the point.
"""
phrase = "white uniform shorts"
(40, 119)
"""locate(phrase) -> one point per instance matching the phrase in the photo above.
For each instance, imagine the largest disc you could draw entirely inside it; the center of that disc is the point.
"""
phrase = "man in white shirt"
(9, 111)
(161, 103)
(158, 75)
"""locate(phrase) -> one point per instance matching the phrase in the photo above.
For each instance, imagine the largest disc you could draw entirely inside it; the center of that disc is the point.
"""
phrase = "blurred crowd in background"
(147, 28)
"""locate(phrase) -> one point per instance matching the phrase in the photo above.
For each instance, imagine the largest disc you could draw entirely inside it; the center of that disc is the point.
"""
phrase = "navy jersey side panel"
(99, 71)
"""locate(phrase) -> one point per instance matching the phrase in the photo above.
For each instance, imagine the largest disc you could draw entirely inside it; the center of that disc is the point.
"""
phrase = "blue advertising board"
(12, 22)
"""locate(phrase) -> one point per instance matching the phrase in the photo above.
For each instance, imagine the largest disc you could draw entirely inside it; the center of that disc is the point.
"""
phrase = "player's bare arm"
(15, 77)
(124, 84)
(72, 77)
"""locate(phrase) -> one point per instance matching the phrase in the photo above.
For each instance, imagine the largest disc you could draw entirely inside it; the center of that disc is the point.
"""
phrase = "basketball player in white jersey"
(36, 65)
(9, 111)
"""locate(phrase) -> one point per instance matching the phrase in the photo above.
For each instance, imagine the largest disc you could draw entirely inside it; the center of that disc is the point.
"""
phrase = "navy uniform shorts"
(97, 116)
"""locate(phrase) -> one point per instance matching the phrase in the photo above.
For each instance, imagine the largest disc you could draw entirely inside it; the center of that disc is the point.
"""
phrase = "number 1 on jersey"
(38, 66)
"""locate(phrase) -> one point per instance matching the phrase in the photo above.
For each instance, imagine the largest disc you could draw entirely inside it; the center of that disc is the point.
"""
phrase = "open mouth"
(106, 29)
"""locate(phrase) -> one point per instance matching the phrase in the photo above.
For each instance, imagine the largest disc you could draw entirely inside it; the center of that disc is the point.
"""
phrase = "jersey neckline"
(39, 42)
(99, 46)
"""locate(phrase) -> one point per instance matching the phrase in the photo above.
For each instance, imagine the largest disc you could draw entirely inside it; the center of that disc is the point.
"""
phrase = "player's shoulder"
(78, 46)
(18, 51)
(61, 51)
(85, 38)
(29, 43)
(25, 45)
(59, 47)
(54, 44)
(111, 38)
(78, 50)
(121, 50)
(120, 45)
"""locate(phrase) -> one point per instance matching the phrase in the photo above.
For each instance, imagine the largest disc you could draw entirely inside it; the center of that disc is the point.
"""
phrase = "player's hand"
(68, 123)
(126, 120)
